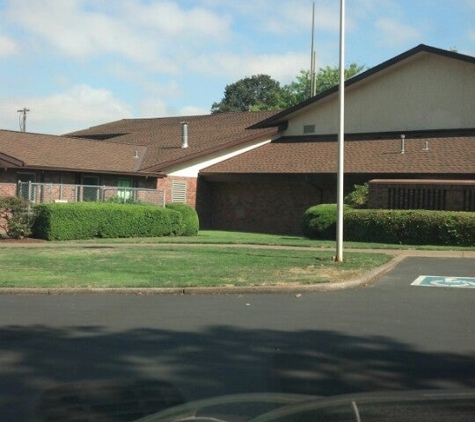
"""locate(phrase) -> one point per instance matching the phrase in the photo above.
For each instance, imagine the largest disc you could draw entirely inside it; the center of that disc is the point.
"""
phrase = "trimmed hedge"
(319, 221)
(90, 220)
(410, 227)
(190, 223)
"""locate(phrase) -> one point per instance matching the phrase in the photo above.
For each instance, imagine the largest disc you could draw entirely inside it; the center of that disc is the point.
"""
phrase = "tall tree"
(297, 90)
(261, 92)
(258, 92)
(329, 76)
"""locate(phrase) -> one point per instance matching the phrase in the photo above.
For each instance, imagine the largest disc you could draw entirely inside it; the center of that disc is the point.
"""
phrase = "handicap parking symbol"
(441, 281)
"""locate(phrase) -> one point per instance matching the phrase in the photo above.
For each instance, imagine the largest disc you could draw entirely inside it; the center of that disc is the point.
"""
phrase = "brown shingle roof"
(57, 152)
(162, 136)
(445, 155)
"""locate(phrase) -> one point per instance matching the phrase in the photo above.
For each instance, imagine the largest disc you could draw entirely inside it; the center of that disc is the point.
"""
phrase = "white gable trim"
(192, 170)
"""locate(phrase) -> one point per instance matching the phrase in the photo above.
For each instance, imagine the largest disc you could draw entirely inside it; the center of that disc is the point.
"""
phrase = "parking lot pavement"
(381, 336)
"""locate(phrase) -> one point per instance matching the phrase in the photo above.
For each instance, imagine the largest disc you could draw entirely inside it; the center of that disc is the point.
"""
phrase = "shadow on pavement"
(93, 365)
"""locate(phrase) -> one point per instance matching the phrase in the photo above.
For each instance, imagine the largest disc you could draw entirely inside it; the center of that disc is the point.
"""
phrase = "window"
(90, 191)
(179, 191)
(122, 191)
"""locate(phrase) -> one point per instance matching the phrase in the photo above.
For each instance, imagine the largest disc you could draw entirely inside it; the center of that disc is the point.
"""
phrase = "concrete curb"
(361, 281)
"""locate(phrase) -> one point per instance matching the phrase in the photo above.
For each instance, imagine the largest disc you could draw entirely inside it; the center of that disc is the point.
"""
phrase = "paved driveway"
(388, 335)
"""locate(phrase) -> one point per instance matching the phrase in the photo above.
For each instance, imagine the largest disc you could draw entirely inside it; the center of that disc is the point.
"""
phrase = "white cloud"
(152, 34)
(153, 107)
(7, 47)
(395, 33)
(78, 107)
(282, 67)
(296, 16)
(193, 111)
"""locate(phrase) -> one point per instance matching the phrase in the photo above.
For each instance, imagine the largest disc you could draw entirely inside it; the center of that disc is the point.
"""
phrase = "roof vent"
(309, 129)
(403, 147)
(184, 134)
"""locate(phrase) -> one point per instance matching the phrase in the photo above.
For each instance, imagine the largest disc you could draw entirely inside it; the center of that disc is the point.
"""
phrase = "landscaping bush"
(319, 222)
(128, 201)
(411, 227)
(89, 220)
(359, 197)
(191, 223)
(16, 217)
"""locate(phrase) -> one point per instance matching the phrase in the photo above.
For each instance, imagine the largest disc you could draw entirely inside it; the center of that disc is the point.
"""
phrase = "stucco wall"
(423, 92)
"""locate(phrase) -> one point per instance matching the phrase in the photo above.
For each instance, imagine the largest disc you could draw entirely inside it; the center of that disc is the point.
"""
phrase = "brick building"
(409, 118)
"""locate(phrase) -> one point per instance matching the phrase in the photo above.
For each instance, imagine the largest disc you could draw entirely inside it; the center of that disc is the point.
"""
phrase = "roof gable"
(284, 116)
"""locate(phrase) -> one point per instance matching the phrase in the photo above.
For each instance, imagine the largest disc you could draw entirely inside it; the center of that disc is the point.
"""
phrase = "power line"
(22, 118)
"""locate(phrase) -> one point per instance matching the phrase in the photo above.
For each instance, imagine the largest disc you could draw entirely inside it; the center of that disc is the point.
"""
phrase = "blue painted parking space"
(441, 281)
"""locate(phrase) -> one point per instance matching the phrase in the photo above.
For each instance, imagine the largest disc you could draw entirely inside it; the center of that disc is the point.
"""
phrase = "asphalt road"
(69, 350)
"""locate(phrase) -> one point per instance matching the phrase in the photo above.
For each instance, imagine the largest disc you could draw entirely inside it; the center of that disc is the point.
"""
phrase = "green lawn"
(90, 264)
(231, 238)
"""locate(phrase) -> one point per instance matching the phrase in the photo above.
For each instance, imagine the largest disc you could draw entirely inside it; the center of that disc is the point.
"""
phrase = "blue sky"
(79, 63)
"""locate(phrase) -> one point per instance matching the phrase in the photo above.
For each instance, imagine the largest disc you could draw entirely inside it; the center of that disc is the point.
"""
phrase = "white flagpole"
(341, 139)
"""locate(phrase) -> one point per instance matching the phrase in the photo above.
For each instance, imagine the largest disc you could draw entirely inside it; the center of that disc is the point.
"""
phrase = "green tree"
(326, 78)
(258, 92)
(329, 77)
(261, 92)
(298, 90)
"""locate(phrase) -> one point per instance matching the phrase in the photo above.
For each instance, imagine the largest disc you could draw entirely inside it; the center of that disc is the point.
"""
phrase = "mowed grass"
(217, 237)
(147, 265)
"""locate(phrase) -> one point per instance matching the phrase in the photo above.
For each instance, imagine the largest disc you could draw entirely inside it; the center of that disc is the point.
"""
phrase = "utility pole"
(23, 118)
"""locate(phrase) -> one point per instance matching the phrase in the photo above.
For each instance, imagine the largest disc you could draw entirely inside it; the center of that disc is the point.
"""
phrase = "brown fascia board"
(15, 162)
(361, 136)
(279, 118)
(425, 181)
(161, 166)
(159, 175)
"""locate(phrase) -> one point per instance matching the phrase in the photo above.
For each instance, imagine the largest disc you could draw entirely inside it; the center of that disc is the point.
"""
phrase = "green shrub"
(411, 227)
(89, 220)
(359, 197)
(191, 223)
(319, 222)
(128, 201)
(16, 217)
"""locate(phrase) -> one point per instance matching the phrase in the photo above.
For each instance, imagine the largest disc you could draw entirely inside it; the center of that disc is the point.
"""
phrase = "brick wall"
(191, 188)
(9, 179)
(263, 207)
(449, 195)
